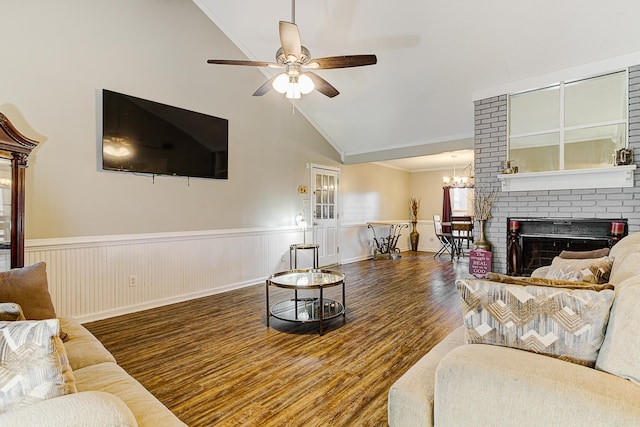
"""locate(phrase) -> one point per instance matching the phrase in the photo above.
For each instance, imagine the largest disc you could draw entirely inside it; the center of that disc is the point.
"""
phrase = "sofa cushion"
(620, 352)
(486, 385)
(542, 281)
(83, 348)
(111, 378)
(625, 269)
(565, 323)
(626, 246)
(594, 270)
(89, 408)
(411, 397)
(33, 364)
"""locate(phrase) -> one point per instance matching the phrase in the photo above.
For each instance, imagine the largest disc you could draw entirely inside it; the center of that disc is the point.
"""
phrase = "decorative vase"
(482, 243)
(414, 236)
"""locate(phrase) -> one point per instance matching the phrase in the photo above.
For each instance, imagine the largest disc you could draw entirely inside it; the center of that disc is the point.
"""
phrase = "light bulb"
(281, 83)
(306, 84)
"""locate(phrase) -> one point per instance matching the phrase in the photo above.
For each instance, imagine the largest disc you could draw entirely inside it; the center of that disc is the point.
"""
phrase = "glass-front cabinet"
(5, 214)
(14, 150)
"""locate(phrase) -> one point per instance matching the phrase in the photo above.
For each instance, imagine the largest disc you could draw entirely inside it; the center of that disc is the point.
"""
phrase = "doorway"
(325, 181)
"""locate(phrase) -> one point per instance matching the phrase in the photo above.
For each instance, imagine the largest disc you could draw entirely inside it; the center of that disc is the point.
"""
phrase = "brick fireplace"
(534, 242)
(607, 204)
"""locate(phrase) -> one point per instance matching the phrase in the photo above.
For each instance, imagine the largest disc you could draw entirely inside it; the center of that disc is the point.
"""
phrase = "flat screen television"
(148, 137)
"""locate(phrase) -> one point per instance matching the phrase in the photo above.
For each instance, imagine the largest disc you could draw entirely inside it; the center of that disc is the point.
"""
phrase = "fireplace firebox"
(534, 242)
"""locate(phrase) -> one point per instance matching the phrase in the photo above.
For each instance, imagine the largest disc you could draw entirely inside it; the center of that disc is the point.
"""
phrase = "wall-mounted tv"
(148, 137)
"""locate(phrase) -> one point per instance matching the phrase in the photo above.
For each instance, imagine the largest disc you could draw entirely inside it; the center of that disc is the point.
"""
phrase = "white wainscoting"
(428, 241)
(89, 277)
(356, 240)
(356, 243)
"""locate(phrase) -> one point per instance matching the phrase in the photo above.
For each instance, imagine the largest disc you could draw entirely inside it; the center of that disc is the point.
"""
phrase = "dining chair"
(461, 229)
(445, 239)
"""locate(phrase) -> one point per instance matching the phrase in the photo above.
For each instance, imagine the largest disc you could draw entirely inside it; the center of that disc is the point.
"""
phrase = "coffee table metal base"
(306, 310)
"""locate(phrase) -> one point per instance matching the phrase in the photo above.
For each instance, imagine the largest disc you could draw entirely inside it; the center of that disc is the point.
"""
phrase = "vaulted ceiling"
(434, 58)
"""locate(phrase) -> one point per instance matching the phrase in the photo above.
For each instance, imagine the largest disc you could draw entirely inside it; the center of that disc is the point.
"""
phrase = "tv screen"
(148, 137)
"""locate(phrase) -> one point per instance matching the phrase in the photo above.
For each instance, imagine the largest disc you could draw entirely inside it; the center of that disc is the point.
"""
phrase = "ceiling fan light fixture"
(293, 87)
(293, 91)
(306, 84)
(281, 83)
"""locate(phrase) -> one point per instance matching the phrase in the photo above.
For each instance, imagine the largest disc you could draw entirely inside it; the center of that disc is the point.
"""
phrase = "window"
(461, 201)
(572, 125)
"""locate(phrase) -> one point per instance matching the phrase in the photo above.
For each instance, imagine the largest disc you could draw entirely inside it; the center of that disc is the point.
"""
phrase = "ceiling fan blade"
(341, 62)
(266, 87)
(322, 86)
(290, 40)
(243, 62)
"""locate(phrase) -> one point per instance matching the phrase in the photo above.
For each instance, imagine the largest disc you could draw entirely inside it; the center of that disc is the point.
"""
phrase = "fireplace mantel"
(611, 177)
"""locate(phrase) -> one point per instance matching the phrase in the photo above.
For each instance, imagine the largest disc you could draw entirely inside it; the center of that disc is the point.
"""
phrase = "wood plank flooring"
(213, 361)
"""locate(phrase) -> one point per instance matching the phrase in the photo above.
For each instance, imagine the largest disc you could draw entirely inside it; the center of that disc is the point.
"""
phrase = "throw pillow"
(33, 363)
(596, 253)
(10, 311)
(542, 281)
(620, 352)
(565, 323)
(28, 287)
(594, 270)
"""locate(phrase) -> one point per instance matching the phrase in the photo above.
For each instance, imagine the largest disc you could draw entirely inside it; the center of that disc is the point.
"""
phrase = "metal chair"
(446, 239)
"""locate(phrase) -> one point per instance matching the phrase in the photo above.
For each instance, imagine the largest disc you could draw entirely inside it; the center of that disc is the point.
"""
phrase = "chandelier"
(459, 181)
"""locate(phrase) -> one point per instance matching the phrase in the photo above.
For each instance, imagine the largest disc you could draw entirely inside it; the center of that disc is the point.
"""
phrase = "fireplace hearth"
(534, 242)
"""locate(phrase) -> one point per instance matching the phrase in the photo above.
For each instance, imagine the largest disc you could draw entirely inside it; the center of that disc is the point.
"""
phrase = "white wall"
(59, 55)
(427, 186)
(374, 193)
(371, 192)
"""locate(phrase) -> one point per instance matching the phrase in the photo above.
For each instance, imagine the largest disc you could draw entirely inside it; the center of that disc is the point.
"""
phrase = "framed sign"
(479, 262)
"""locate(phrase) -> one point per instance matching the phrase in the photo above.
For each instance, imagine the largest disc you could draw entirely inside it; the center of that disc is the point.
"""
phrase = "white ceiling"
(434, 59)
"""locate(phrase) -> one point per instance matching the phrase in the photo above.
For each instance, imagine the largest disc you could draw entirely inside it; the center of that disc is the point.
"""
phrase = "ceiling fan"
(296, 61)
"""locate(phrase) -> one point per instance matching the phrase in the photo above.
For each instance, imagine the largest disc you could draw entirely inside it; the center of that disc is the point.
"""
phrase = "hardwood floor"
(213, 361)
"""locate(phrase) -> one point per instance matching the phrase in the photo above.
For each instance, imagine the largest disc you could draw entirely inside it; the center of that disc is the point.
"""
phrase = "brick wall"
(491, 149)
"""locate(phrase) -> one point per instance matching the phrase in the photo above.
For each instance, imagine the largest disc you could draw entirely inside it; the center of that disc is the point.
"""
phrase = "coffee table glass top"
(306, 279)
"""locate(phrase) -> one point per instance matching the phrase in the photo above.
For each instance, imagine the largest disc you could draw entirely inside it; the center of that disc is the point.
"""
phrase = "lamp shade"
(293, 91)
(293, 86)
(306, 84)
(281, 83)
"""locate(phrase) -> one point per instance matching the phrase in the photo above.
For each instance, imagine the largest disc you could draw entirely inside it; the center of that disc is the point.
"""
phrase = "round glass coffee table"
(305, 310)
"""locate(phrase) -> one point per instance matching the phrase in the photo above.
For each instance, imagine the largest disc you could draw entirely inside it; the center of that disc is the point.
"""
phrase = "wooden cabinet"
(14, 151)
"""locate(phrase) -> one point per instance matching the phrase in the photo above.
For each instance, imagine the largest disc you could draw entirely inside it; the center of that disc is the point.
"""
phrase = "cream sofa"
(107, 395)
(486, 385)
